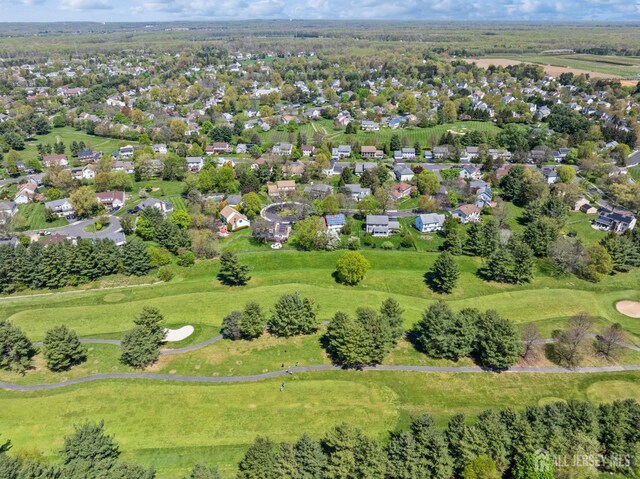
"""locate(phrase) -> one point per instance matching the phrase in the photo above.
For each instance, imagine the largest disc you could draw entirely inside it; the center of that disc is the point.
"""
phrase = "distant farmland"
(597, 66)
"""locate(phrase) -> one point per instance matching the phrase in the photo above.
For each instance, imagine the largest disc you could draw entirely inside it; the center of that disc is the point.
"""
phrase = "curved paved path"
(302, 369)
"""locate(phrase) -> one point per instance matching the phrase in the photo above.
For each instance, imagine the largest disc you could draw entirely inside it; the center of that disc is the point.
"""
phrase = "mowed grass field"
(69, 134)
(425, 136)
(175, 425)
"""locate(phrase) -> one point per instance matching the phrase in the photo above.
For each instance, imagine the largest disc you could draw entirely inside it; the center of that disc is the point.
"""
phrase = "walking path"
(302, 369)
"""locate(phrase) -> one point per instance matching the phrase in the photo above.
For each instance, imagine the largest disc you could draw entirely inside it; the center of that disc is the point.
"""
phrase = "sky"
(460, 10)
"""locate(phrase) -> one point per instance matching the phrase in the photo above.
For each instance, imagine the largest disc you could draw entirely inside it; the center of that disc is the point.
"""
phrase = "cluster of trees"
(292, 315)
(56, 265)
(141, 345)
(88, 452)
(367, 338)
(587, 262)
(171, 233)
(61, 348)
(498, 443)
(624, 250)
(493, 341)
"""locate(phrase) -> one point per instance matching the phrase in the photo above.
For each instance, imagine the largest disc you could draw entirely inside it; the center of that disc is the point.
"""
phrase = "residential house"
(356, 191)
(470, 172)
(62, 207)
(233, 218)
(588, 209)
(8, 209)
(293, 169)
(233, 200)
(367, 125)
(335, 222)
(633, 159)
(366, 166)
(26, 192)
(318, 191)
(343, 151)
(160, 149)
(308, 150)
(164, 206)
(550, 174)
(218, 148)
(403, 173)
(441, 152)
(484, 195)
(88, 156)
(367, 151)
(282, 149)
(126, 166)
(55, 160)
(429, 223)
(614, 222)
(407, 154)
(401, 190)
(281, 188)
(381, 225)
(126, 152)
(467, 213)
(195, 163)
(111, 199)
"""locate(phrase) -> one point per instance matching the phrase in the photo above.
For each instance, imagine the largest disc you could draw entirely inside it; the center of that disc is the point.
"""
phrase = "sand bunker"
(629, 308)
(174, 335)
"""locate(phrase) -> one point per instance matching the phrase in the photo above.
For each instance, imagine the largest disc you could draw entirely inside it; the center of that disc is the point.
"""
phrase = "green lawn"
(635, 173)
(175, 425)
(425, 136)
(187, 423)
(69, 134)
(33, 214)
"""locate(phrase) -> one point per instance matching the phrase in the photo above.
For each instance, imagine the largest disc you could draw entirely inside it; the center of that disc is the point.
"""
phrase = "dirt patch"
(629, 308)
(554, 71)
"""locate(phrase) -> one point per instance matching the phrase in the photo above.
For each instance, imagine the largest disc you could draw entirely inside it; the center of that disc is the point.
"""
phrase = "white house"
(233, 218)
(61, 207)
(429, 223)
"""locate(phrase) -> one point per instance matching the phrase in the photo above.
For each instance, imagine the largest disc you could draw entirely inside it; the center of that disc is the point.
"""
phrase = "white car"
(276, 246)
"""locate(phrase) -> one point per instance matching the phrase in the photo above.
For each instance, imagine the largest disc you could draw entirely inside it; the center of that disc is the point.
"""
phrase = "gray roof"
(377, 220)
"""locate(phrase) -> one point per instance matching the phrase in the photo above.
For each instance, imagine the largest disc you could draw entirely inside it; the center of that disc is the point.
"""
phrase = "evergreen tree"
(252, 321)
(150, 318)
(445, 273)
(391, 312)
(232, 272)
(62, 349)
(201, 471)
(474, 245)
(286, 465)
(135, 258)
(491, 238)
(434, 461)
(293, 315)
(523, 260)
(231, 326)
(453, 242)
(139, 348)
(16, 350)
(539, 235)
(498, 343)
(348, 342)
(259, 462)
(443, 334)
(402, 456)
(89, 445)
(310, 459)
(500, 266)
(463, 442)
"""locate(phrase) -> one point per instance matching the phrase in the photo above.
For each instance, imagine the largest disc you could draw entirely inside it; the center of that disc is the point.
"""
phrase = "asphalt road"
(302, 369)
(77, 229)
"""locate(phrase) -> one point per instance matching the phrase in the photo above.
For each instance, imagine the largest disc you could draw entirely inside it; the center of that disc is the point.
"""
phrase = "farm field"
(425, 136)
(223, 419)
(607, 67)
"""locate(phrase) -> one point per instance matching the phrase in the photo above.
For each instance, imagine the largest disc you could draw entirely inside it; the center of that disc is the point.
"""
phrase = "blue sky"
(167, 10)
